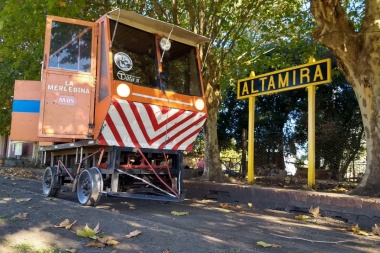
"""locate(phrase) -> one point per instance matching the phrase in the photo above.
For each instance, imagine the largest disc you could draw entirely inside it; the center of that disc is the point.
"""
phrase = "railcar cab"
(147, 61)
(123, 55)
(128, 86)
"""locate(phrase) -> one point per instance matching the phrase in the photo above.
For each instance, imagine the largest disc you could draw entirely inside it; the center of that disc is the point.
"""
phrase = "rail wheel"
(51, 184)
(89, 187)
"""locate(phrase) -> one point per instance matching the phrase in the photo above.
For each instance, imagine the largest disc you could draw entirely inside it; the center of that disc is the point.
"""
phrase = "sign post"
(251, 137)
(308, 75)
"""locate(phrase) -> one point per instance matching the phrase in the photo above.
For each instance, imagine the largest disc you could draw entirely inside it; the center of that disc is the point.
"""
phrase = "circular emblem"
(123, 61)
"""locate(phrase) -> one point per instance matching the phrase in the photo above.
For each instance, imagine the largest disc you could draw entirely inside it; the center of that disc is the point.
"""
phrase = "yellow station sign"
(287, 79)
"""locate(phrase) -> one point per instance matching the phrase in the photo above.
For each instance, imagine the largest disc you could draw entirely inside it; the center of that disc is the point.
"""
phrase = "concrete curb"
(364, 211)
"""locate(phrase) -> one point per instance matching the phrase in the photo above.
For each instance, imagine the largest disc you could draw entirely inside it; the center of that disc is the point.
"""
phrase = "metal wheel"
(89, 187)
(51, 184)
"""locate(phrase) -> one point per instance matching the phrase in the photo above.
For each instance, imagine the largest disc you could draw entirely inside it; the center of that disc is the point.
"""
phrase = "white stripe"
(108, 136)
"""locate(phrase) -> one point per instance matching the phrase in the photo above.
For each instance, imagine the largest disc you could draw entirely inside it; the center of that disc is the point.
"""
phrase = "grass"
(3, 220)
(29, 248)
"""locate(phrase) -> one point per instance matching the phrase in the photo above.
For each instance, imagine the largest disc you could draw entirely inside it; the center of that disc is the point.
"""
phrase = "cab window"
(134, 55)
(180, 65)
(70, 47)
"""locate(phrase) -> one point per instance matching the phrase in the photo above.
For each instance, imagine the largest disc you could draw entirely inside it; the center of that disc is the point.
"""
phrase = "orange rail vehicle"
(119, 100)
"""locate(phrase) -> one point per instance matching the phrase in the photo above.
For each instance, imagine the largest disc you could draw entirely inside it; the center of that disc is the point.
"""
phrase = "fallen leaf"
(166, 251)
(70, 226)
(51, 199)
(242, 212)
(249, 204)
(239, 207)
(65, 224)
(71, 250)
(96, 229)
(87, 232)
(340, 189)
(302, 217)
(95, 244)
(108, 240)
(358, 231)
(224, 210)
(23, 199)
(179, 213)
(314, 211)
(376, 229)
(362, 232)
(266, 245)
(22, 216)
(133, 234)
(225, 206)
(354, 228)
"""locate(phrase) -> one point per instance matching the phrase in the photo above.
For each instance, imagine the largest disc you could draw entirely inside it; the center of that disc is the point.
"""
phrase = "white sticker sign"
(123, 61)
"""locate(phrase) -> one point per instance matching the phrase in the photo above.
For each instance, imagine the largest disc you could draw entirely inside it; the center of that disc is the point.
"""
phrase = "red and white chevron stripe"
(133, 124)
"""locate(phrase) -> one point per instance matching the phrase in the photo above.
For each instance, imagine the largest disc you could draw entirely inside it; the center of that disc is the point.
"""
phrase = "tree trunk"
(212, 170)
(369, 106)
(358, 57)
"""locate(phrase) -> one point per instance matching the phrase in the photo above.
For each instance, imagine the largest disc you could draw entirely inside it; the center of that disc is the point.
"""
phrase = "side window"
(70, 47)
(134, 55)
(103, 82)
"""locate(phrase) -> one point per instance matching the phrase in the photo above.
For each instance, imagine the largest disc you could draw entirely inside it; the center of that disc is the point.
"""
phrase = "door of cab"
(68, 79)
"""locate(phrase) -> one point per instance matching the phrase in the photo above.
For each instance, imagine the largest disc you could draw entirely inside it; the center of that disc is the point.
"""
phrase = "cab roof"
(156, 27)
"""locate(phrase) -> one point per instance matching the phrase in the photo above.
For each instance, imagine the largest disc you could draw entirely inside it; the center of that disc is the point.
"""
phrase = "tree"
(240, 31)
(356, 48)
(22, 29)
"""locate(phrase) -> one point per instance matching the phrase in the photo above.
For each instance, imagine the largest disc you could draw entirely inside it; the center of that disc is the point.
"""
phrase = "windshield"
(134, 55)
(181, 66)
(135, 61)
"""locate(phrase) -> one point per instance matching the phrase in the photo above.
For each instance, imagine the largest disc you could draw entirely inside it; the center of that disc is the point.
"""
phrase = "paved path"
(207, 227)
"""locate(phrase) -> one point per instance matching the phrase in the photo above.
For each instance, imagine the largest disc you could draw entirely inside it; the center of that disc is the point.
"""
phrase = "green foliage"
(339, 128)
(22, 31)
(281, 120)
(246, 35)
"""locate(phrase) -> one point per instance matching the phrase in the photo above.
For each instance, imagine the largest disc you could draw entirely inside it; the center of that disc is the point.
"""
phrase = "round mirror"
(165, 44)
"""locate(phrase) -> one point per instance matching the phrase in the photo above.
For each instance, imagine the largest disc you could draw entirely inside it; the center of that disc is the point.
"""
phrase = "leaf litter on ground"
(133, 234)
(314, 211)
(376, 229)
(267, 245)
(99, 241)
(356, 230)
(22, 200)
(179, 213)
(21, 216)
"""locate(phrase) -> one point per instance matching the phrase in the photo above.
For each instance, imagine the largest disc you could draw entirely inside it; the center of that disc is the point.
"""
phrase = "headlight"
(199, 104)
(123, 90)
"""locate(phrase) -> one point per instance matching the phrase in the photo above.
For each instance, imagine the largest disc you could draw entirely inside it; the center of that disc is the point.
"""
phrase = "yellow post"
(311, 136)
(251, 134)
(311, 133)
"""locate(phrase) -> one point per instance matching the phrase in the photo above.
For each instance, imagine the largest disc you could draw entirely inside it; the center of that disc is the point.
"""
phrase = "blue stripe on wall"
(28, 106)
